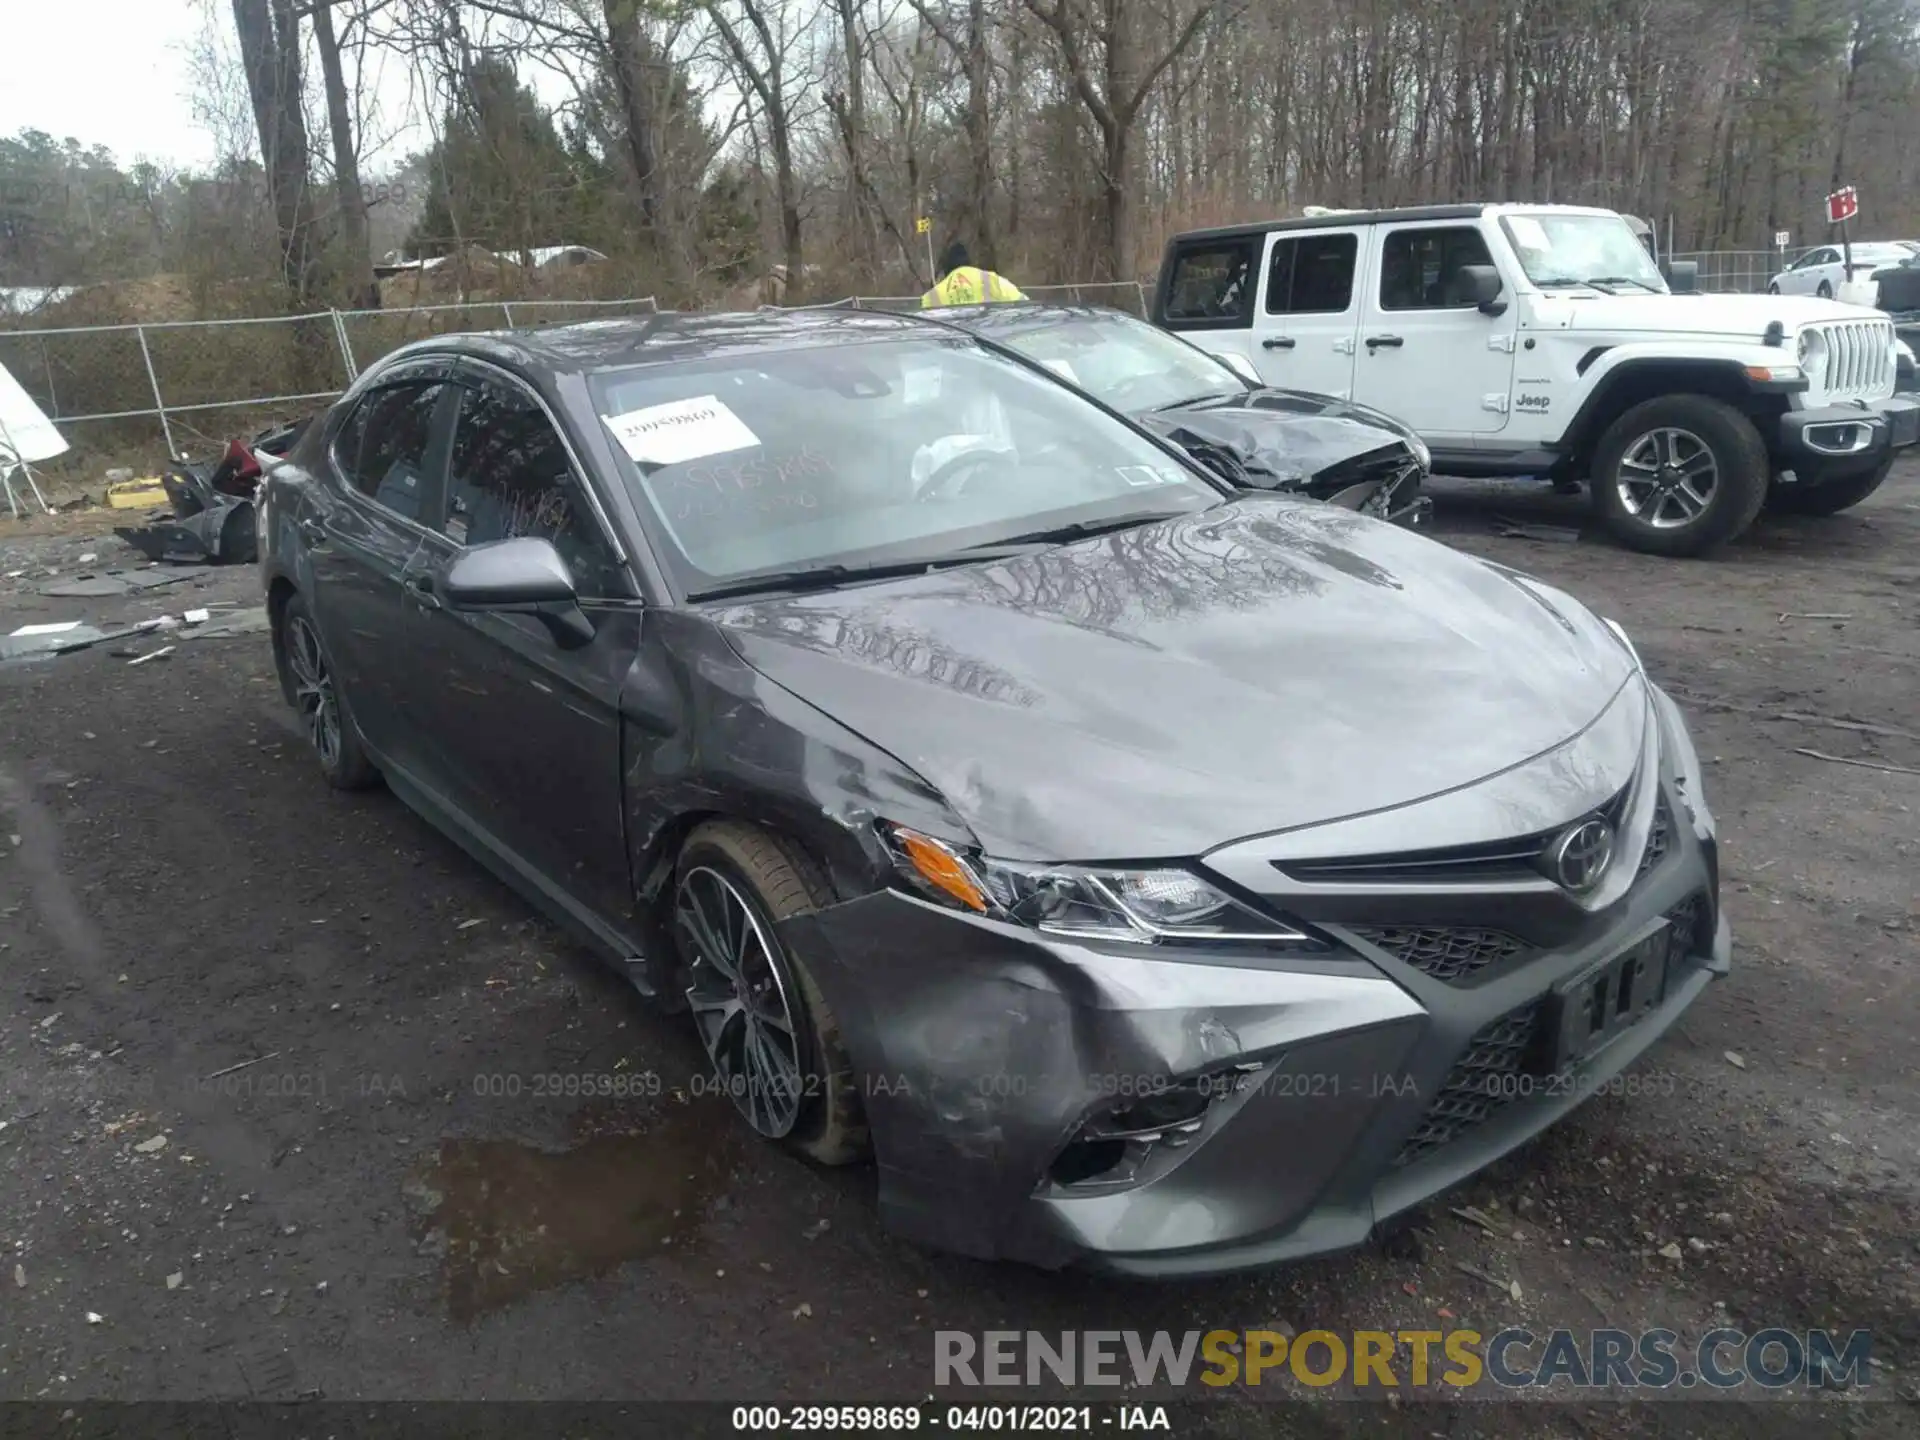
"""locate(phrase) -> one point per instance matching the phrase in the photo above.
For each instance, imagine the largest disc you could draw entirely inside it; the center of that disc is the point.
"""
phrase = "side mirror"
(1683, 276)
(1483, 286)
(1241, 366)
(524, 576)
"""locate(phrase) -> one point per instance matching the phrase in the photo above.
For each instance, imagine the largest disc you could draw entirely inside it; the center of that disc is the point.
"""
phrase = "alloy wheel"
(741, 997)
(1668, 478)
(313, 690)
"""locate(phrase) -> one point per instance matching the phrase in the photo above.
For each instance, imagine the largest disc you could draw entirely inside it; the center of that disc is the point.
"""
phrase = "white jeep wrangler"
(1535, 340)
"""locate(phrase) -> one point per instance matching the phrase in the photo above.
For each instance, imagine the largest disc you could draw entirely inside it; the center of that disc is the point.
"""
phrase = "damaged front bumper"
(1175, 1112)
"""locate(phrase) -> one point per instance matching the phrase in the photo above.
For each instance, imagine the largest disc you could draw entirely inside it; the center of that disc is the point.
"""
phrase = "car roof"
(623, 341)
(1336, 219)
(1013, 316)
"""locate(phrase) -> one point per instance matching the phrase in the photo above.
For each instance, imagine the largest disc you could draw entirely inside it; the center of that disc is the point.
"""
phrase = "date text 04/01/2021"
(960, 1419)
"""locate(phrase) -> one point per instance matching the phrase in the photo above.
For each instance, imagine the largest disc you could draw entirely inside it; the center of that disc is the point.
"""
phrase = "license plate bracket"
(1603, 1000)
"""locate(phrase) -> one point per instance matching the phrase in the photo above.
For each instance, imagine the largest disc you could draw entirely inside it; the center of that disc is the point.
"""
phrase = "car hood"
(1731, 317)
(1283, 438)
(1158, 692)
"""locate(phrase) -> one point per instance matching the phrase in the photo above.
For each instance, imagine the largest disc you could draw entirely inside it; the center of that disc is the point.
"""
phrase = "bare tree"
(758, 51)
(269, 35)
(970, 47)
(355, 255)
(1113, 70)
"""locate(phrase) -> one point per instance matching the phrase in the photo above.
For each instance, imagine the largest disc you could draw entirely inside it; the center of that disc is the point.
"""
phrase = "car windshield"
(870, 454)
(1558, 249)
(1129, 364)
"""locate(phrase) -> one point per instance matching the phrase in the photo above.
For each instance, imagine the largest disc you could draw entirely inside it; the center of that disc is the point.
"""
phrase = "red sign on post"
(1842, 205)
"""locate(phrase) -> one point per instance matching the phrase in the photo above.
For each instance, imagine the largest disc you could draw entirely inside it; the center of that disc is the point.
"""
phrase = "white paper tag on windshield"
(920, 385)
(1529, 233)
(679, 431)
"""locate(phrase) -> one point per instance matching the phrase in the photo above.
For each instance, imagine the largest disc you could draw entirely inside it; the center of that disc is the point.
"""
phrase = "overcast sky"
(119, 73)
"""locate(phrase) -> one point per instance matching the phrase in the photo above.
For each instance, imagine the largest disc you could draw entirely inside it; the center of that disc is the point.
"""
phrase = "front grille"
(1859, 362)
(1659, 838)
(1475, 1087)
(1483, 1080)
(1514, 859)
(1446, 953)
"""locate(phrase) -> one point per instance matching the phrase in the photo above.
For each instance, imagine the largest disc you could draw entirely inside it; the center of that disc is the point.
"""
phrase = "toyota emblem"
(1580, 856)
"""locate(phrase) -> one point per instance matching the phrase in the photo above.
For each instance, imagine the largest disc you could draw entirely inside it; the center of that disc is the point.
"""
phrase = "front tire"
(1825, 292)
(1773, 289)
(1680, 475)
(307, 676)
(773, 1041)
(1830, 498)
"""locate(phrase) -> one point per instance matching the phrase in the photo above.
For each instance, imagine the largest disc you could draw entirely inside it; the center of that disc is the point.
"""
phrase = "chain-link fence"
(133, 394)
(1737, 272)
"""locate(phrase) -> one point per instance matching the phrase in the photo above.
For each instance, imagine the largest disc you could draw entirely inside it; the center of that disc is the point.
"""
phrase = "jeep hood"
(1727, 317)
(1158, 692)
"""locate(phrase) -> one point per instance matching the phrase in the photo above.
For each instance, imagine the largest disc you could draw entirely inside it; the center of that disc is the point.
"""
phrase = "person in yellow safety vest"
(963, 283)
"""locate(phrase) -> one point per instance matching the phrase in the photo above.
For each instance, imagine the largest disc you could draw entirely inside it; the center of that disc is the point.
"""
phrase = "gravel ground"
(390, 1201)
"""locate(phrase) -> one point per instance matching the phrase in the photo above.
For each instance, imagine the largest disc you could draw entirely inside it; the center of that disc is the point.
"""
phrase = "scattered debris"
(817, 1229)
(176, 1280)
(1863, 764)
(1526, 530)
(1790, 615)
(469, 924)
(160, 654)
(802, 1311)
(1474, 1216)
(94, 1317)
(1512, 1287)
(1671, 1250)
(153, 1146)
(244, 1064)
(197, 617)
(1734, 1059)
(20, 1276)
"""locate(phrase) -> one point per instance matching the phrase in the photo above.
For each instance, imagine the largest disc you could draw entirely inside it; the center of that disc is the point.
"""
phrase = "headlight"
(1812, 349)
(1142, 907)
(1421, 452)
(1902, 351)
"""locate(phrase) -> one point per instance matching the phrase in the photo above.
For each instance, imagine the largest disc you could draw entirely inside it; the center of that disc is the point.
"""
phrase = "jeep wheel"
(1830, 498)
(1680, 475)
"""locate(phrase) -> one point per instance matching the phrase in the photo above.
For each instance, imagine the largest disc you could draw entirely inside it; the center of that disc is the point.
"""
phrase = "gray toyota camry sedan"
(1143, 874)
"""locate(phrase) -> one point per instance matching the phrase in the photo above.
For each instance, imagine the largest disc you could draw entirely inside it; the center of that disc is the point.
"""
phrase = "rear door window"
(385, 448)
(1312, 274)
(1212, 283)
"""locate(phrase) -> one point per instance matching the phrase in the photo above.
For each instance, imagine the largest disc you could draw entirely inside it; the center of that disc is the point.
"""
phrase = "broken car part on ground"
(213, 520)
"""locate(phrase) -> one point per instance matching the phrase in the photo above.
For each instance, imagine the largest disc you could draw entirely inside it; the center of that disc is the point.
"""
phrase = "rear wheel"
(1829, 498)
(1680, 475)
(772, 1039)
(308, 677)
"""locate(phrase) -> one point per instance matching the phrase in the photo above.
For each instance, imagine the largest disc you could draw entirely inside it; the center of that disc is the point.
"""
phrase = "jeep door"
(1309, 309)
(1427, 354)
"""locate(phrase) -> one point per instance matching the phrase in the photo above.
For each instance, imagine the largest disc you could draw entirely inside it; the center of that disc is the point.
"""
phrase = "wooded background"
(704, 146)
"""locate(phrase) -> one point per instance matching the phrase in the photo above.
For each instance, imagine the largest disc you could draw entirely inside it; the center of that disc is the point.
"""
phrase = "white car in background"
(1821, 271)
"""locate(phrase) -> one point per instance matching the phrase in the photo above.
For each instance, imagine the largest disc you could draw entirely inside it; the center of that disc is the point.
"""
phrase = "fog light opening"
(1115, 1144)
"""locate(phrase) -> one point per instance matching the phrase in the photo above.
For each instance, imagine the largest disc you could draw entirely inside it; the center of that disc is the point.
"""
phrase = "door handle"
(1277, 342)
(1391, 342)
(420, 589)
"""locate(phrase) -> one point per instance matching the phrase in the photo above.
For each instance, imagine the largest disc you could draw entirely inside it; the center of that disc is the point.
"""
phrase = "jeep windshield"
(1597, 250)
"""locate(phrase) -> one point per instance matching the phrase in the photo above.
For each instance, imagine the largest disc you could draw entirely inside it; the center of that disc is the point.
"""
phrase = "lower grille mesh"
(1473, 1090)
(1444, 952)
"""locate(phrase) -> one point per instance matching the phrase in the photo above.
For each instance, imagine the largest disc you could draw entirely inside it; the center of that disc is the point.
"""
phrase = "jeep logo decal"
(1537, 403)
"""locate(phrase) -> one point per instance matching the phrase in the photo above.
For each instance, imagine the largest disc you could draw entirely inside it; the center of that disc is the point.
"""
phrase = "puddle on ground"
(509, 1220)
